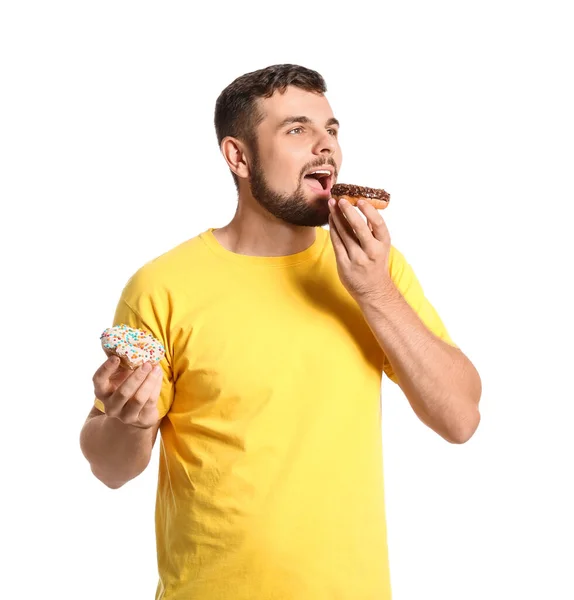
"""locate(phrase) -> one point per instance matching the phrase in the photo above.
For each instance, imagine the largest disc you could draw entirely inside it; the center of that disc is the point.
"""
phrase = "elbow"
(117, 479)
(464, 429)
(112, 484)
(467, 422)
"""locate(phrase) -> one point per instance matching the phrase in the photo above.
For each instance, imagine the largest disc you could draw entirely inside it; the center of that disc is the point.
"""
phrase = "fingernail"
(331, 202)
(114, 360)
(343, 202)
(146, 368)
(157, 370)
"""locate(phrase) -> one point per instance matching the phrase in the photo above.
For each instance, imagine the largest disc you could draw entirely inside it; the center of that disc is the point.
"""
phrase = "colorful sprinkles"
(133, 346)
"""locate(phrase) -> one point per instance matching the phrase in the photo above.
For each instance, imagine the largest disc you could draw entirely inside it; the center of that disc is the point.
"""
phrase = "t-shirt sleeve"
(142, 306)
(407, 283)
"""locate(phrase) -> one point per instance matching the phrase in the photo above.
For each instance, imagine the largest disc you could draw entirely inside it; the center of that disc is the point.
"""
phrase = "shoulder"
(165, 270)
(156, 283)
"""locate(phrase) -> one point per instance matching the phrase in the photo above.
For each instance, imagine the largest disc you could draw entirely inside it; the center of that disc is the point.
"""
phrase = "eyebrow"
(305, 120)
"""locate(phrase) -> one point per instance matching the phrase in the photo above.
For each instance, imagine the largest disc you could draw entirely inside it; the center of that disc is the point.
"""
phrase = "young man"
(277, 333)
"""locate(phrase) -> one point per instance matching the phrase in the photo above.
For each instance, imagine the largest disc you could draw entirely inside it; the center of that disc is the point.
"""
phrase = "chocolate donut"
(353, 193)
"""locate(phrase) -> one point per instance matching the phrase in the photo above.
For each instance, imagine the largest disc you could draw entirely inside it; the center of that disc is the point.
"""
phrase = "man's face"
(297, 136)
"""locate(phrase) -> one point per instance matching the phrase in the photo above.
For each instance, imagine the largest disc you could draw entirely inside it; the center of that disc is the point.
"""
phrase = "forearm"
(439, 381)
(116, 452)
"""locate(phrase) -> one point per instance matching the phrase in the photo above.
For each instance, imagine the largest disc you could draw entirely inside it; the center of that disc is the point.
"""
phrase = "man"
(277, 333)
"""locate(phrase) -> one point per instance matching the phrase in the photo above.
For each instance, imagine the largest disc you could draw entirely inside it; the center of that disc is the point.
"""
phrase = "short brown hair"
(236, 114)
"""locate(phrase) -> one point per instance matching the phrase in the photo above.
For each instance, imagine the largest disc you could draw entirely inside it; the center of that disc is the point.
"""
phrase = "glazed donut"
(353, 193)
(133, 347)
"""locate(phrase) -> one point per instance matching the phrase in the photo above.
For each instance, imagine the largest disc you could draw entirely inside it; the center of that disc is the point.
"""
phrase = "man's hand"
(361, 249)
(130, 396)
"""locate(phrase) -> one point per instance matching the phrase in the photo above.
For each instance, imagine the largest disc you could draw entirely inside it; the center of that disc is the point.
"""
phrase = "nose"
(326, 144)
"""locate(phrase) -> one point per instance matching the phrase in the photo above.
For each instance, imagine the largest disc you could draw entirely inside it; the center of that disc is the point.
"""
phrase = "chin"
(320, 221)
(320, 217)
(311, 218)
(318, 204)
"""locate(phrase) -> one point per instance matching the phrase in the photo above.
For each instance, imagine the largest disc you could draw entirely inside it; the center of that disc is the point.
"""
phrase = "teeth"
(320, 173)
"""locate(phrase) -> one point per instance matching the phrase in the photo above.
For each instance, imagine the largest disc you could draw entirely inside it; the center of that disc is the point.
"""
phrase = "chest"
(288, 337)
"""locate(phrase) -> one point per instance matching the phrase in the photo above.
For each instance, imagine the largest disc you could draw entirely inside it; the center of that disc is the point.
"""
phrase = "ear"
(236, 156)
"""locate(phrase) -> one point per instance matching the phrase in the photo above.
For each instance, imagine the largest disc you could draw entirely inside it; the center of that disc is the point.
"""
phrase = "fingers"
(376, 222)
(344, 228)
(146, 394)
(149, 414)
(101, 378)
(126, 391)
(338, 245)
(362, 231)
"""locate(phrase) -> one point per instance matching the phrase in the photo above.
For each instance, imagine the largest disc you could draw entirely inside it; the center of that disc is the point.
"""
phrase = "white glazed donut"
(133, 347)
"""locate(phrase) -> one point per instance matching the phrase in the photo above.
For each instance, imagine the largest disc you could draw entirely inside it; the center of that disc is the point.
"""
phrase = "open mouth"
(320, 181)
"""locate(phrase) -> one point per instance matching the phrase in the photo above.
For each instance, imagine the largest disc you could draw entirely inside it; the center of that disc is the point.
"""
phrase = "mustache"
(317, 164)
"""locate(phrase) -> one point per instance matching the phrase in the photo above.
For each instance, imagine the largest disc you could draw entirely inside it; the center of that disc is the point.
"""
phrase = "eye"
(297, 129)
(333, 132)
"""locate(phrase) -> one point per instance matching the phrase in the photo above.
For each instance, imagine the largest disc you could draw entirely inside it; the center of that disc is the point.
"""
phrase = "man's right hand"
(130, 396)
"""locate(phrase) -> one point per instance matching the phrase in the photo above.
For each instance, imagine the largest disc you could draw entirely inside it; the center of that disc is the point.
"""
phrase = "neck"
(255, 232)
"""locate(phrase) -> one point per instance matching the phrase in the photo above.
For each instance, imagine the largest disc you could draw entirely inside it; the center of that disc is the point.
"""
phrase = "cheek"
(283, 172)
(285, 179)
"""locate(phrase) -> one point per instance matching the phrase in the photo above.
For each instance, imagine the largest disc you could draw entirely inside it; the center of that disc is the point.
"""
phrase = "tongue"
(316, 185)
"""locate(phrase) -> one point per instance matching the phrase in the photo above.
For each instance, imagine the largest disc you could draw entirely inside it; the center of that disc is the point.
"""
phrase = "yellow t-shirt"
(271, 475)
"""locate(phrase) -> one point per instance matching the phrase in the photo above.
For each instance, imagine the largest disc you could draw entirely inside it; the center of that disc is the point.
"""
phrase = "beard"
(292, 208)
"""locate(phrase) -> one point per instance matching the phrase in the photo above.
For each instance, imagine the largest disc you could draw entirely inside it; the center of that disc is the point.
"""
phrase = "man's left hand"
(361, 249)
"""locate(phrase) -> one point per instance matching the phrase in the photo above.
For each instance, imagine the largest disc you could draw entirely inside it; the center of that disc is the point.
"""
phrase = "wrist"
(384, 296)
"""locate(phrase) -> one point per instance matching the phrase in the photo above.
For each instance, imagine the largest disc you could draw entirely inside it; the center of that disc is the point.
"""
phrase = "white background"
(462, 111)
